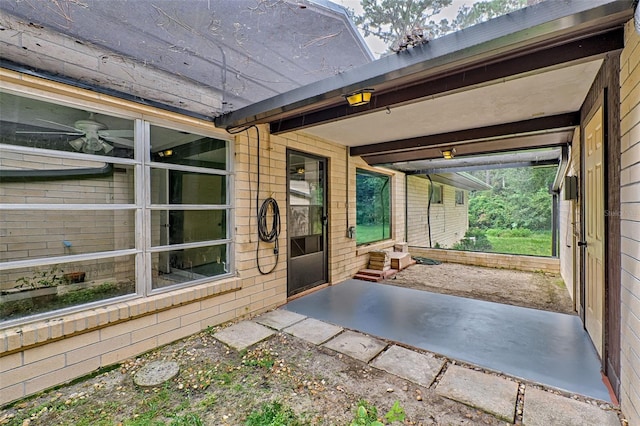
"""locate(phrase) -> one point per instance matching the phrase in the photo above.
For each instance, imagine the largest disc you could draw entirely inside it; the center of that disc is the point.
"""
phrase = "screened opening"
(373, 207)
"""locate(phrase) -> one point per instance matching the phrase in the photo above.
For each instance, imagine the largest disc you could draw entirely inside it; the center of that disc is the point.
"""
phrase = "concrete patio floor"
(540, 346)
(494, 394)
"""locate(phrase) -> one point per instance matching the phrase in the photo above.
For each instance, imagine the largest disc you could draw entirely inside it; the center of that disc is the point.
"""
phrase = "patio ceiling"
(513, 83)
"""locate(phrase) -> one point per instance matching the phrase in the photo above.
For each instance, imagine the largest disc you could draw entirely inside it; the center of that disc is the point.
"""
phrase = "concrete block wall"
(491, 260)
(630, 225)
(449, 221)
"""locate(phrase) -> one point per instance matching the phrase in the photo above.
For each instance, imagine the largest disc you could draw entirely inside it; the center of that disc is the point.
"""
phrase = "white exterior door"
(594, 226)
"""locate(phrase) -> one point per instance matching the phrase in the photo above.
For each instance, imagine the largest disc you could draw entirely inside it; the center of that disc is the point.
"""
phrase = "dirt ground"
(535, 290)
(220, 386)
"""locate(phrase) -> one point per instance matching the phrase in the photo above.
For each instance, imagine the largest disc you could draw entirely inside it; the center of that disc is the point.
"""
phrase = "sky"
(376, 45)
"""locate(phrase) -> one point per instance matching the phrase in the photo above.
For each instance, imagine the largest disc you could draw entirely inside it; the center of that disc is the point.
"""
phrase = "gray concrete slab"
(313, 331)
(544, 409)
(243, 334)
(156, 373)
(279, 319)
(492, 394)
(540, 346)
(356, 345)
(416, 367)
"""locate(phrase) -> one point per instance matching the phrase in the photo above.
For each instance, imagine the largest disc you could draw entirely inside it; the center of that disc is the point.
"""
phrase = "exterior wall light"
(361, 97)
(448, 154)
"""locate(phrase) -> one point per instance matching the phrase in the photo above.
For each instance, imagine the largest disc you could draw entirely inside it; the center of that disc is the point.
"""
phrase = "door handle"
(324, 220)
(582, 243)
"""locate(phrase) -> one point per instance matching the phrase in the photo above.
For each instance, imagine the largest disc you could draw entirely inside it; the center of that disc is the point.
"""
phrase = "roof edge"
(515, 31)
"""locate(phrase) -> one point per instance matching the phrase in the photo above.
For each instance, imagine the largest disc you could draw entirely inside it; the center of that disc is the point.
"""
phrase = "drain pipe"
(406, 208)
(429, 209)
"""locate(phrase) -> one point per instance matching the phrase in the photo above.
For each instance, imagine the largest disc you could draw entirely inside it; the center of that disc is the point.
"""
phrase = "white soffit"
(518, 98)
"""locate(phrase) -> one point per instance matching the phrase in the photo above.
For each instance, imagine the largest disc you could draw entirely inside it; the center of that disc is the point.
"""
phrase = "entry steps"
(399, 261)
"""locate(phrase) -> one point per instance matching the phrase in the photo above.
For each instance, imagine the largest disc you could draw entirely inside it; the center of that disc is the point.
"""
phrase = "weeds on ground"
(273, 414)
(367, 415)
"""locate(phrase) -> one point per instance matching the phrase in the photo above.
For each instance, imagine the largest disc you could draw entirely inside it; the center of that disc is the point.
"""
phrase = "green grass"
(536, 244)
(370, 233)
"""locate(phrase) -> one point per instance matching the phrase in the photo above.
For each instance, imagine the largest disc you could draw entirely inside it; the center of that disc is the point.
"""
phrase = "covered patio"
(548, 348)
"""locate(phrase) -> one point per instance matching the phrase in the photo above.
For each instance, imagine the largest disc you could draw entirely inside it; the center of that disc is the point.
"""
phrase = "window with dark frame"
(373, 206)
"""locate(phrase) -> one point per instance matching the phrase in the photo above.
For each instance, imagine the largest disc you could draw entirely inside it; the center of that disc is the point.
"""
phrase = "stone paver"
(544, 408)
(313, 331)
(156, 373)
(411, 365)
(243, 334)
(279, 319)
(492, 394)
(356, 345)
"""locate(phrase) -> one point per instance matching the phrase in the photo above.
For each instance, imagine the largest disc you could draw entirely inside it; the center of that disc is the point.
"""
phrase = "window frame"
(389, 177)
(437, 189)
(142, 118)
(461, 193)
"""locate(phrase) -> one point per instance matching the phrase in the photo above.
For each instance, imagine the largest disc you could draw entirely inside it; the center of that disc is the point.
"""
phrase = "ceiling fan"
(93, 135)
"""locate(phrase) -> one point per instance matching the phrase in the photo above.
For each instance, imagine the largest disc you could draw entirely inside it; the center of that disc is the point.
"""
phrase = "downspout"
(555, 192)
(429, 209)
(406, 208)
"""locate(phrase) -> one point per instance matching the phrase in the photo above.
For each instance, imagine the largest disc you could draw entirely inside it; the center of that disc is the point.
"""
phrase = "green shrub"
(474, 240)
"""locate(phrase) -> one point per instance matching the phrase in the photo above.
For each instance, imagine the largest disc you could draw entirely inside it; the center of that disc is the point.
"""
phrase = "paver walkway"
(493, 394)
(540, 346)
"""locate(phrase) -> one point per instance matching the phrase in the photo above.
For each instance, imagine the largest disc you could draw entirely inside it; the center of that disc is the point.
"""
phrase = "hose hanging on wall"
(269, 206)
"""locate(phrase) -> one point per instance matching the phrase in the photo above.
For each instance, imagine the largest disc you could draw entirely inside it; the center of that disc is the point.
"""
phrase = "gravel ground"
(535, 290)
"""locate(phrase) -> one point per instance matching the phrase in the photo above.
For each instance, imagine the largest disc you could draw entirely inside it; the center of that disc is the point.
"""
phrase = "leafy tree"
(392, 20)
(483, 11)
(519, 199)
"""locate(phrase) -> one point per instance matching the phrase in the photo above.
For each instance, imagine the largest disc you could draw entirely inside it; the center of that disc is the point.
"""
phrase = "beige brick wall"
(490, 260)
(44, 354)
(569, 226)
(449, 221)
(630, 225)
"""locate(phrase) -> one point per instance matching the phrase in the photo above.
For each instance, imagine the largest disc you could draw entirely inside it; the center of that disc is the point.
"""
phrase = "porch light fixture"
(361, 97)
(166, 153)
(448, 154)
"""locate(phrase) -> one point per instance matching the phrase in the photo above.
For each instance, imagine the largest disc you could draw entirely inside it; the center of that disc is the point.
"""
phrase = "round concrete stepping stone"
(156, 373)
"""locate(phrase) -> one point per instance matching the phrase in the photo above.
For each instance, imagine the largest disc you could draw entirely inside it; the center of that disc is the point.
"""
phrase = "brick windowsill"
(18, 337)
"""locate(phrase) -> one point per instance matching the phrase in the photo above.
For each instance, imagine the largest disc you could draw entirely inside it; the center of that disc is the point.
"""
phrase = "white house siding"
(449, 221)
(630, 225)
(570, 225)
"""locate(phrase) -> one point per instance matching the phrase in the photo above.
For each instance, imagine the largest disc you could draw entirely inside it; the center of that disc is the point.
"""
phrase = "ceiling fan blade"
(119, 141)
(27, 132)
(60, 125)
(116, 133)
